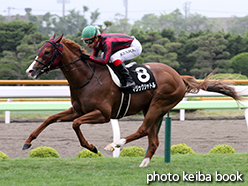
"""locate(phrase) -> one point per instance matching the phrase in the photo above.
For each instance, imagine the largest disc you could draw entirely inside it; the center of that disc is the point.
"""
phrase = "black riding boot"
(129, 83)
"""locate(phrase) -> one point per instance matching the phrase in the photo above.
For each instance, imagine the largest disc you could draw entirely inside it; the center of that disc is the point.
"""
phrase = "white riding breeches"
(129, 53)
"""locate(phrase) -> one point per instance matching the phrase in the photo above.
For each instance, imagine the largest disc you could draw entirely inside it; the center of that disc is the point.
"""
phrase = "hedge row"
(48, 152)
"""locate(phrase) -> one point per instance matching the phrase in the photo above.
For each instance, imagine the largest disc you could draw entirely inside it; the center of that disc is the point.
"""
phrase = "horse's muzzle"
(29, 72)
(37, 73)
(34, 73)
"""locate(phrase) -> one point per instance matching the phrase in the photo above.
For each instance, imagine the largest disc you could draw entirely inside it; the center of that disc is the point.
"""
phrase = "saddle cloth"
(143, 79)
(142, 76)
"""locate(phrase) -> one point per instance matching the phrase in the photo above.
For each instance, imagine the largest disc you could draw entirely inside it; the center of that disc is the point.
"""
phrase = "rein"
(93, 72)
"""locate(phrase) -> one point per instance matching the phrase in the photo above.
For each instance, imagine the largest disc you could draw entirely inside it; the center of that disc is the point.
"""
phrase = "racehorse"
(95, 98)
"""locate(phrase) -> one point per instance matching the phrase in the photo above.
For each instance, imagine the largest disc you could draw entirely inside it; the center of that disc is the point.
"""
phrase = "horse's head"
(48, 57)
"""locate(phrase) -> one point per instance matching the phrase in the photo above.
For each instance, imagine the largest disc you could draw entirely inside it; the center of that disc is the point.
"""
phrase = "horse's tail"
(193, 86)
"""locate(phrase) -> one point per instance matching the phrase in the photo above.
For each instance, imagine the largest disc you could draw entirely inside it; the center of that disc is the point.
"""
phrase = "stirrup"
(128, 85)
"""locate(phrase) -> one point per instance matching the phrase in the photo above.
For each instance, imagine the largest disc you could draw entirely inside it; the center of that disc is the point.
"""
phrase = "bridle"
(57, 47)
(50, 64)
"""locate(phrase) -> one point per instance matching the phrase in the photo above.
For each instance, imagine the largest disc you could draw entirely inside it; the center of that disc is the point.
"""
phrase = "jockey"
(116, 48)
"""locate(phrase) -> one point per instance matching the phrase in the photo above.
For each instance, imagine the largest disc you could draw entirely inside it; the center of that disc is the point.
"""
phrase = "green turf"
(119, 171)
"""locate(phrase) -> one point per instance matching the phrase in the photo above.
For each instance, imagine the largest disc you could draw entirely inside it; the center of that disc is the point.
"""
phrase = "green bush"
(181, 149)
(43, 152)
(3, 156)
(239, 63)
(132, 152)
(222, 149)
(88, 154)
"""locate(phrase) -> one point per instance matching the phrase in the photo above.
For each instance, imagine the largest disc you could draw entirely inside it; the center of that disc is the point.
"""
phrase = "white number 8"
(143, 76)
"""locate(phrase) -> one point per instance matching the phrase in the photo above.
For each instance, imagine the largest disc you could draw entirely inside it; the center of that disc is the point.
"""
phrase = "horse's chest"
(81, 106)
(78, 107)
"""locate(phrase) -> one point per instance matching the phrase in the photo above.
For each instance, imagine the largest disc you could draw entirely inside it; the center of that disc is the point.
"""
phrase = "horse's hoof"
(26, 146)
(95, 150)
(145, 162)
(109, 148)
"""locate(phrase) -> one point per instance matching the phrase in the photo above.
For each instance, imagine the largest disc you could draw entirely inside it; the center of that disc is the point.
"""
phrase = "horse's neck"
(77, 73)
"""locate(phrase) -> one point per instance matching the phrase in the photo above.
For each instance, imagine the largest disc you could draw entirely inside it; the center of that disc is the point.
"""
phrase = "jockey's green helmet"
(90, 32)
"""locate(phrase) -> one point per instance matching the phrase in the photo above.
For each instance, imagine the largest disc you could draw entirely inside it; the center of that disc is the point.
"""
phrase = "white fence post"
(246, 116)
(116, 136)
(7, 114)
(182, 111)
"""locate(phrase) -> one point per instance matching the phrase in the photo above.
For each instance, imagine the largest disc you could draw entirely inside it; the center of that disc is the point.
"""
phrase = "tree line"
(192, 45)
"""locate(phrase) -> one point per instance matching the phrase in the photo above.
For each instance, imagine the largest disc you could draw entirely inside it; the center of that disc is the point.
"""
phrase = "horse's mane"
(72, 45)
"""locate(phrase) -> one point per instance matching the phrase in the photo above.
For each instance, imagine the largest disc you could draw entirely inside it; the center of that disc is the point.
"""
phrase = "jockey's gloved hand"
(84, 56)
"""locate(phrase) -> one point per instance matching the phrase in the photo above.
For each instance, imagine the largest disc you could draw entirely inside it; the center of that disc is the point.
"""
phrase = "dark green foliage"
(191, 44)
(12, 33)
(239, 63)
(210, 55)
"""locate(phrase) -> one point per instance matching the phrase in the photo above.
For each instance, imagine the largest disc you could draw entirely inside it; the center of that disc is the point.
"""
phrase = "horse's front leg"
(92, 117)
(67, 115)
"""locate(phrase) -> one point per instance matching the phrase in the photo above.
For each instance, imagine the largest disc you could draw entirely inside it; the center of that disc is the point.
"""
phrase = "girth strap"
(124, 105)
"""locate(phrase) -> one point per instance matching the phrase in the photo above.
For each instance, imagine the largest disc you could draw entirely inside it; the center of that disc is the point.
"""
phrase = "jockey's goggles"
(89, 41)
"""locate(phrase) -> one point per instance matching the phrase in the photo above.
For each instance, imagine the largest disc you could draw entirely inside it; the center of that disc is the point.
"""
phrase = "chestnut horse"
(95, 98)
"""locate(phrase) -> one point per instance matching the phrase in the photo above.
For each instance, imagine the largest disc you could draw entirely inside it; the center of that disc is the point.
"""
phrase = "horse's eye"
(47, 52)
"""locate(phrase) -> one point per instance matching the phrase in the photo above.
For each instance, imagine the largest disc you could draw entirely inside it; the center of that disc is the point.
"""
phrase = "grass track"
(117, 171)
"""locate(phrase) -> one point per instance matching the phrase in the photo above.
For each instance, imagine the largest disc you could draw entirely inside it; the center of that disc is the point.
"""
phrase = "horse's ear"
(53, 36)
(59, 38)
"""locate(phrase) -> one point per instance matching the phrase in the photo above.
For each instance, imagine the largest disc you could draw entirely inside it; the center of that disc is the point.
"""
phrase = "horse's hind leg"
(67, 115)
(153, 143)
(149, 127)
